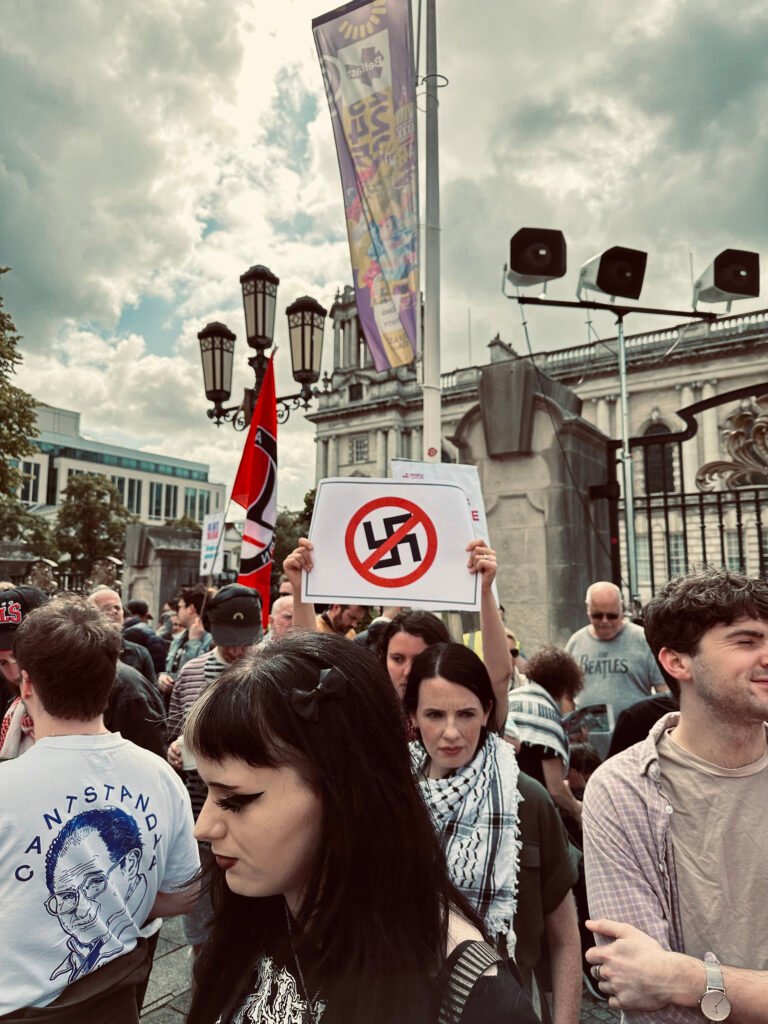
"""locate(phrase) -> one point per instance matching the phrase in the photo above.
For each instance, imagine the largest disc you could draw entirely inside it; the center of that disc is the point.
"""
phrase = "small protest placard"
(391, 542)
(212, 544)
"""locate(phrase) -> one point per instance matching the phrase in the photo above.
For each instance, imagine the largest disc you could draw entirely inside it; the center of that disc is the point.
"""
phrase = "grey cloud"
(706, 72)
(107, 150)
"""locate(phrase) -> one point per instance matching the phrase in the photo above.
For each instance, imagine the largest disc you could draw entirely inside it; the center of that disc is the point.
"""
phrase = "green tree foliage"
(184, 522)
(18, 426)
(289, 526)
(91, 520)
(18, 407)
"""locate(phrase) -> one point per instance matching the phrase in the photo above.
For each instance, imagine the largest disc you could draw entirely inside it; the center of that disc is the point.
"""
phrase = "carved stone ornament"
(745, 436)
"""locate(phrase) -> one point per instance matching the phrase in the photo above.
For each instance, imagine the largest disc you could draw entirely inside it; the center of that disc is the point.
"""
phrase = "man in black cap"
(137, 629)
(234, 619)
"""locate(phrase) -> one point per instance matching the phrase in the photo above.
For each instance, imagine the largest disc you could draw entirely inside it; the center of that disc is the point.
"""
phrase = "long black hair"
(457, 664)
(418, 623)
(376, 911)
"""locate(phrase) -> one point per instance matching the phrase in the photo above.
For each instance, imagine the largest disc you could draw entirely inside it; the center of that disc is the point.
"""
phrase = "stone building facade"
(367, 418)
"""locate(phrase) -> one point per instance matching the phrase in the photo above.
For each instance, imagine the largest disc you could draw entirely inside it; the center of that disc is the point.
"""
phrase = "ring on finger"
(596, 972)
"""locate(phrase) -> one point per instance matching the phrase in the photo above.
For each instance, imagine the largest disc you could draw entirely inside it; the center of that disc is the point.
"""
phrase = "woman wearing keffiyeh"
(491, 816)
(468, 778)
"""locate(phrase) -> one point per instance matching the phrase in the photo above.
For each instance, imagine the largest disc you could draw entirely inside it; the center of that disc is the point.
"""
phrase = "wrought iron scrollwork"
(746, 440)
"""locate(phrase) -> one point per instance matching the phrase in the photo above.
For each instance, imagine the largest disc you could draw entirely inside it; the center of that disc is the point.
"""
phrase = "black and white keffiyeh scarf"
(539, 722)
(475, 811)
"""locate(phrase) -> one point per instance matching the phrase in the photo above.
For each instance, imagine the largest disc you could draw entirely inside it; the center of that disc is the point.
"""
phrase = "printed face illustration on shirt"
(92, 872)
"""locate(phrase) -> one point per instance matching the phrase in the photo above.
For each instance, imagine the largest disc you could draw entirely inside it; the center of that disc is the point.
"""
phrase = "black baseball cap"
(15, 604)
(234, 616)
(140, 608)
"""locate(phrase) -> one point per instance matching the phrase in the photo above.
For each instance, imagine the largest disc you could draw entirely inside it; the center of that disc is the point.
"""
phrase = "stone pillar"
(333, 455)
(381, 452)
(416, 444)
(336, 344)
(393, 445)
(690, 448)
(321, 459)
(614, 416)
(602, 421)
(709, 424)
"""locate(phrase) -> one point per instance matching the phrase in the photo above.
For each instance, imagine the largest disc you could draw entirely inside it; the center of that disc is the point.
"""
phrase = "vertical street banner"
(367, 63)
(255, 490)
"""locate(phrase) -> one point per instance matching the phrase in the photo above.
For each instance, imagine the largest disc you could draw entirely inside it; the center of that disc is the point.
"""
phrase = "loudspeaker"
(536, 255)
(734, 274)
(618, 272)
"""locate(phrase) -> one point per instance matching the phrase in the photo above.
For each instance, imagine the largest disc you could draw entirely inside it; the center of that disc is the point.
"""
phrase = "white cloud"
(161, 149)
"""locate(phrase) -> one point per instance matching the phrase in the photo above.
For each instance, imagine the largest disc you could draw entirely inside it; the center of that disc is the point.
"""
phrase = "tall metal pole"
(626, 463)
(431, 344)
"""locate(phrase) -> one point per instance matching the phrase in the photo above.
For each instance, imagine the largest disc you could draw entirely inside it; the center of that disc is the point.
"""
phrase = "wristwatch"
(714, 1003)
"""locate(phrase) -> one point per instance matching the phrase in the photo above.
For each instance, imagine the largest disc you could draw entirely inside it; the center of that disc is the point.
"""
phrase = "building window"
(203, 504)
(30, 487)
(171, 498)
(735, 557)
(134, 496)
(658, 462)
(155, 500)
(358, 448)
(190, 502)
(643, 552)
(355, 392)
(678, 563)
(119, 482)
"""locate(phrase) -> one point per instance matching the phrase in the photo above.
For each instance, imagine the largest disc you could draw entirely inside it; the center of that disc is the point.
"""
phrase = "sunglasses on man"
(599, 616)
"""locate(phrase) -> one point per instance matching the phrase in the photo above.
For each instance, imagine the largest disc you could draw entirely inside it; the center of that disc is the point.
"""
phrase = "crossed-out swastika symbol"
(399, 528)
(390, 524)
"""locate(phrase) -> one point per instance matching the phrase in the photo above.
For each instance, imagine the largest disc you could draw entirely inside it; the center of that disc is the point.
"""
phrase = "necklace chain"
(305, 991)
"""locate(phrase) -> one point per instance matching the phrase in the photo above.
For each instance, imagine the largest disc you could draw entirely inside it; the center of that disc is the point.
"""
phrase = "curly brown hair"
(687, 607)
(556, 671)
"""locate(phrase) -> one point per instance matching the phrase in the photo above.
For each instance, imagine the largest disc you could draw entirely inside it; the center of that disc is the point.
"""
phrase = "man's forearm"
(565, 957)
(171, 904)
(495, 654)
(747, 990)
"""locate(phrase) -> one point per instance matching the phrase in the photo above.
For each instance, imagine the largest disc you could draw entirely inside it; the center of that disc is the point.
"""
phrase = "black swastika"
(391, 524)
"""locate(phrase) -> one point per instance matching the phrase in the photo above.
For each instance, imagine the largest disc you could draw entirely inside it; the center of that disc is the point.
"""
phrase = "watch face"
(714, 1005)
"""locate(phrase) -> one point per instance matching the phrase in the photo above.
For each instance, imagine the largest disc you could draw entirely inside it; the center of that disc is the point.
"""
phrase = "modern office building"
(156, 488)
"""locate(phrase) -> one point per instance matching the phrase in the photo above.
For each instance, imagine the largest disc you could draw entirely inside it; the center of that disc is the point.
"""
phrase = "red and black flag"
(255, 490)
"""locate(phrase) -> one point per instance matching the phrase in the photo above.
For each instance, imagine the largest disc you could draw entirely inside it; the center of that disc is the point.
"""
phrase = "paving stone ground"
(168, 994)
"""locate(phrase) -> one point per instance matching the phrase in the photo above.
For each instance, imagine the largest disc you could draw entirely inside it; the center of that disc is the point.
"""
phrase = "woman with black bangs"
(333, 901)
(411, 632)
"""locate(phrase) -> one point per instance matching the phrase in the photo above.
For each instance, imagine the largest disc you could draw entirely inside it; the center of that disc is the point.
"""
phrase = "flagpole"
(431, 347)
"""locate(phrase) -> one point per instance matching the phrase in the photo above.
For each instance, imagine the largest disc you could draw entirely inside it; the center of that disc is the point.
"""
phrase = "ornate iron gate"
(687, 515)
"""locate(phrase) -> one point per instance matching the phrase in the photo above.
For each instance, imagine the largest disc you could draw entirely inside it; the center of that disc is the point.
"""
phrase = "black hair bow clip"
(306, 703)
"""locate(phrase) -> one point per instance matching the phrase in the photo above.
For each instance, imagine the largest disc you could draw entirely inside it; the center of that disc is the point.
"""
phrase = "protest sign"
(386, 542)
(466, 477)
(212, 544)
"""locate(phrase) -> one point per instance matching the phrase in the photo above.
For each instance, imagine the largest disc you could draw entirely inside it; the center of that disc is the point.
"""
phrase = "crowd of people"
(364, 819)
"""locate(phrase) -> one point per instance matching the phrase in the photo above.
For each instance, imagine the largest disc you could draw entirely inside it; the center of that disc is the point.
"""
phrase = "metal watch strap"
(714, 975)
(714, 1003)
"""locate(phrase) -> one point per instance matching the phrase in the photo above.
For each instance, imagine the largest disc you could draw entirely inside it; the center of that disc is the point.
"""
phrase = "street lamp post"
(306, 324)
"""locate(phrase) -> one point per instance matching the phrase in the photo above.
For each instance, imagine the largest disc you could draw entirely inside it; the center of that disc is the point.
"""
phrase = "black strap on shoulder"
(468, 961)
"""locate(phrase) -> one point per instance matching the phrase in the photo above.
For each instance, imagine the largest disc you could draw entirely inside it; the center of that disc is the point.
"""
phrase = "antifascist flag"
(255, 490)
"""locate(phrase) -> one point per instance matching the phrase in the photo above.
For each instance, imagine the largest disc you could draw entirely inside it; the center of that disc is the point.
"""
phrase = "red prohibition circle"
(364, 568)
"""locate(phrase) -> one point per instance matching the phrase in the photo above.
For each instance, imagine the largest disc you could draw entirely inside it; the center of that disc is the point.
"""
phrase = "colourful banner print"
(367, 64)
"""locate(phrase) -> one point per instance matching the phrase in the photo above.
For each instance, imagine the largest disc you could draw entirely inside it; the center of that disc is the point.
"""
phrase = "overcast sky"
(150, 152)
